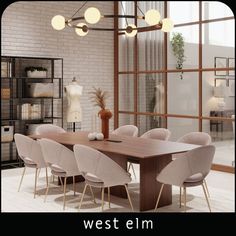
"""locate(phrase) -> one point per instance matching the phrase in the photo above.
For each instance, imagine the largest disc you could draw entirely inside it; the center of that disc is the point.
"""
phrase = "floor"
(221, 188)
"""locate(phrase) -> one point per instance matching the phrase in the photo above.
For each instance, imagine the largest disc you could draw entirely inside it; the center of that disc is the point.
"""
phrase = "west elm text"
(114, 224)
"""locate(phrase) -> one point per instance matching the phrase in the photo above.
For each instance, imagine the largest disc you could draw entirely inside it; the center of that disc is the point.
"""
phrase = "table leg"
(149, 187)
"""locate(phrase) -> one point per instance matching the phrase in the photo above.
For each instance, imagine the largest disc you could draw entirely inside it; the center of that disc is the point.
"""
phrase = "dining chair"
(157, 133)
(197, 138)
(61, 161)
(188, 171)
(127, 130)
(100, 171)
(45, 129)
(30, 152)
(48, 129)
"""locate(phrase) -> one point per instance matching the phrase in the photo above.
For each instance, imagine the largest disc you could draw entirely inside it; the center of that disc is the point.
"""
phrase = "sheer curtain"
(150, 57)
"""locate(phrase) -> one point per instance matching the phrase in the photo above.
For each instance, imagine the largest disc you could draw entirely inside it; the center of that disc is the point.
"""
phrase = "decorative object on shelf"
(7, 133)
(40, 90)
(99, 98)
(5, 93)
(177, 43)
(36, 72)
(92, 15)
(30, 111)
(4, 69)
(221, 92)
(231, 63)
(220, 62)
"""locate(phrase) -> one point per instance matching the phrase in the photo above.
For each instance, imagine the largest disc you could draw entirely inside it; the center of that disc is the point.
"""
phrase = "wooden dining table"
(151, 155)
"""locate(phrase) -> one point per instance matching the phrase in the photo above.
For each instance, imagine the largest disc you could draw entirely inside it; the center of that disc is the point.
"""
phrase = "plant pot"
(105, 115)
(36, 74)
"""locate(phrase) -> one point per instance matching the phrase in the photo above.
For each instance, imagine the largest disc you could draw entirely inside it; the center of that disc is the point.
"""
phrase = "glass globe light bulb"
(92, 15)
(58, 22)
(131, 30)
(152, 17)
(167, 25)
(82, 31)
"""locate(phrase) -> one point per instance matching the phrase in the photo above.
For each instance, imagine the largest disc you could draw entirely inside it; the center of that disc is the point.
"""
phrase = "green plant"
(33, 68)
(177, 43)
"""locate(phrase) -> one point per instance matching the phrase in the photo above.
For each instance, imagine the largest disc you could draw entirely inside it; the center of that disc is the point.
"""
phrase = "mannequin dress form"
(73, 92)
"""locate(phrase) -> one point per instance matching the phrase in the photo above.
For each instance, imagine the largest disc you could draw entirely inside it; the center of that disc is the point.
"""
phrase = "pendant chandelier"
(92, 15)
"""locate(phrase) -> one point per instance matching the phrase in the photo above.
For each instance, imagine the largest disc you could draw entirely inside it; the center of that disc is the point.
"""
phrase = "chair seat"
(29, 161)
(57, 168)
(194, 180)
(92, 178)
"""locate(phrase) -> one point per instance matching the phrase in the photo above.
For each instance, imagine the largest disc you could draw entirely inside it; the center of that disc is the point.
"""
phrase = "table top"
(129, 146)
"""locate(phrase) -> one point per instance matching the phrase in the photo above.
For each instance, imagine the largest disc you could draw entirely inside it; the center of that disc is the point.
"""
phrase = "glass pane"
(216, 9)
(126, 119)
(183, 11)
(190, 36)
(183, 93)
(223, 139)
(181, 126)
(126, 53)
(218, 95)
(220, 34)
(150, 50)
(126, 93)
(126, 8)
(146, 123)
(151, 93)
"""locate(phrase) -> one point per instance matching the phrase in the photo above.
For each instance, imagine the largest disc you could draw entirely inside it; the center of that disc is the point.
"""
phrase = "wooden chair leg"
(159, 196)
(21, 178)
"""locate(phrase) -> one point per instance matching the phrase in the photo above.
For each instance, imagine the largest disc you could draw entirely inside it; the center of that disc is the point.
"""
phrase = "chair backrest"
(29, 149)
(158, 133)
(127, 130)
(48, 129)
(94, 162)
(195, 161)
(198, 138)
(57, 154)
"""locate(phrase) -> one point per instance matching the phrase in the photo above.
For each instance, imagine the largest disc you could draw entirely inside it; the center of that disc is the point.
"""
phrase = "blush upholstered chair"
(127, 130)
(29, 151)
(197, 138)
(61, 161)
(188, 171)
(48, 129)
(45, 129)
(157, 133)
(100, 171)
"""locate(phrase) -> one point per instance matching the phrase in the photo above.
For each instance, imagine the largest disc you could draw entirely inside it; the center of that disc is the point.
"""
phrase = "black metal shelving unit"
(14, 77)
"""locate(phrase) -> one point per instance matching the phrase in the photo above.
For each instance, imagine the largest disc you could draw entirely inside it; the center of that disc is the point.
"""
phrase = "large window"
(153, 93)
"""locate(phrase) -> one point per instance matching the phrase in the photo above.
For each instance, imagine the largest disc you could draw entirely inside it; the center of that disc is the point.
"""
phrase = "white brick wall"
(27, 31)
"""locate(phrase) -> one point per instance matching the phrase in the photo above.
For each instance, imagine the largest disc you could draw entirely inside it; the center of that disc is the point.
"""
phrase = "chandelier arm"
(140, 10)
(139, 29)
(124, 13)
(79, 9)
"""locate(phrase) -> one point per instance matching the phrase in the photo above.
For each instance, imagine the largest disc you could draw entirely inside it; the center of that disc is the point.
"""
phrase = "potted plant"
(36, 72)
(177, 43)
(99, 98)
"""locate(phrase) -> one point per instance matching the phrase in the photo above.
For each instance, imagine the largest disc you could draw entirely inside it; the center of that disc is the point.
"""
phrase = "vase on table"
(105, 115)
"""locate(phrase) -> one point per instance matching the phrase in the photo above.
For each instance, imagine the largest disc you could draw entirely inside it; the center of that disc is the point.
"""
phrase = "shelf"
(22, 77)
(8, 142)
(16, 80)
(10, 99)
